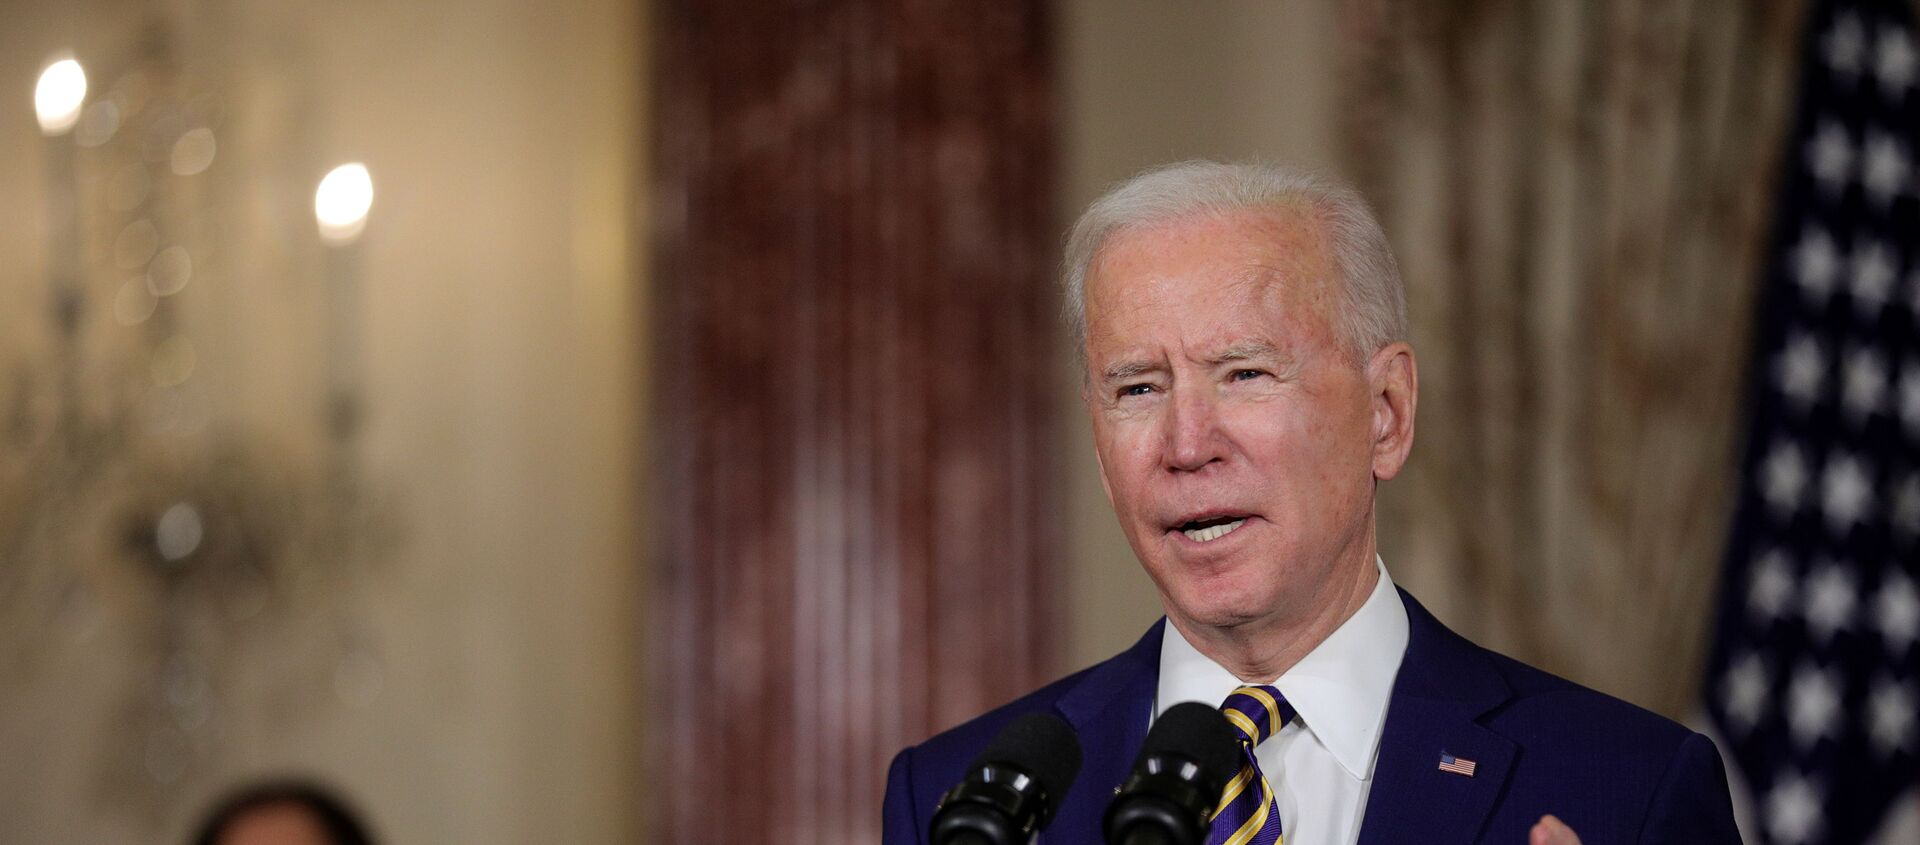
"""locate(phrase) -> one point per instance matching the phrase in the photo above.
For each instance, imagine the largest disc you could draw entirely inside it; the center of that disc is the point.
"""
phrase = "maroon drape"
(853, 476)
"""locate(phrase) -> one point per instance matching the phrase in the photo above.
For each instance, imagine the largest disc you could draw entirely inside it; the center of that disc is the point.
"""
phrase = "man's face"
(1235, 434)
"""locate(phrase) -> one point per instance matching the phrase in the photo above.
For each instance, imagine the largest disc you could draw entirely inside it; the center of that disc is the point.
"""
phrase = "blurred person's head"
(282, 813)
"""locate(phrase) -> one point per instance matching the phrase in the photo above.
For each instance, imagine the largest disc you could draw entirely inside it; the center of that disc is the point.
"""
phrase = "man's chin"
(1215, 615)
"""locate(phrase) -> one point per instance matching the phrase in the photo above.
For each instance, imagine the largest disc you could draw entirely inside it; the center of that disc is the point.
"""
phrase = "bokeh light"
(178, 532)
(58, 97)
(342, 202)
(193, 152)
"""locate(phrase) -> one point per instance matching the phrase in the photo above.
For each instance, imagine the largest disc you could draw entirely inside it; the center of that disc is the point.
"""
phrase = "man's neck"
(1262, 650)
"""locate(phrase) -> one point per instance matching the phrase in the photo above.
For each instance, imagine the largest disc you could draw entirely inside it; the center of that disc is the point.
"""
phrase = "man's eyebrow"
(1245, 351)
(1129, 369)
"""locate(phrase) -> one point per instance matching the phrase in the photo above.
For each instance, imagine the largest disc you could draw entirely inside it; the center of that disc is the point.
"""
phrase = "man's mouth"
(1212, 528)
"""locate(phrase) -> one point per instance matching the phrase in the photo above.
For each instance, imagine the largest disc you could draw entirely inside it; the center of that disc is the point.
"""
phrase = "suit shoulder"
(957, 745)
(1551, 706)
(1529, 700)
(1666, 781)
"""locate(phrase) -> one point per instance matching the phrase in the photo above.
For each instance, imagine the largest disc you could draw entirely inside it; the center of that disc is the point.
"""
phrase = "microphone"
(1184, 766)
(1013, 788)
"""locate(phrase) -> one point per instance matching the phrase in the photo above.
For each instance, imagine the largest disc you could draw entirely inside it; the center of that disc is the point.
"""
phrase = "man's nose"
(1193, 436)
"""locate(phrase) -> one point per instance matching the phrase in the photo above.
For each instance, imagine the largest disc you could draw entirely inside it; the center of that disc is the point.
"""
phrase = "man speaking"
(1250, 383)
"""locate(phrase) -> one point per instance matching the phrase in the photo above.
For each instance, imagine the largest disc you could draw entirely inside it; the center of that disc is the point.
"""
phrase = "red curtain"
(853, 476)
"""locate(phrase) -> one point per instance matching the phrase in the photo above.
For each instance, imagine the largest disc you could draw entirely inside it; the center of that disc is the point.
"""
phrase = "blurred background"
(479, 408)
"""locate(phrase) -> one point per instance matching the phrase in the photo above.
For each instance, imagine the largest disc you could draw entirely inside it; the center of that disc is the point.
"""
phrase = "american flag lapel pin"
(1456, 765)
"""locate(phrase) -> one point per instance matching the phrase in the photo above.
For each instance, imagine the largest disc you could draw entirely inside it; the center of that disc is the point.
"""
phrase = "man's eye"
(1246, 375)
(1136, 390)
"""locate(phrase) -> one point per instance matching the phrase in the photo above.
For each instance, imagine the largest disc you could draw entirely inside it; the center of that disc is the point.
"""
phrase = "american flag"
(1812, 682)
(1450, 763)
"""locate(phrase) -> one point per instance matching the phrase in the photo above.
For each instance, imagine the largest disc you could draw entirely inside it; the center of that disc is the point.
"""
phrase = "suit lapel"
(1444, 686)
(1112, 703)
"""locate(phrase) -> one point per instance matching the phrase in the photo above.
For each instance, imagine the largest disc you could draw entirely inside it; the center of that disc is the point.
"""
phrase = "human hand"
(1551, 831)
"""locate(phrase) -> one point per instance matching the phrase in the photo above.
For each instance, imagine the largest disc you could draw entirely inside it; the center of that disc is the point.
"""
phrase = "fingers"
(1552, 831)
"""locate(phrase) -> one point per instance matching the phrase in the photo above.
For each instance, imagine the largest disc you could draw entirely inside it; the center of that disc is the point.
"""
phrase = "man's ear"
(1394, 382)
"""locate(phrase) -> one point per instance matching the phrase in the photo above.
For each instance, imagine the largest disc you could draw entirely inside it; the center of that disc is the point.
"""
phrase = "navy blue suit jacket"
(1610, 770)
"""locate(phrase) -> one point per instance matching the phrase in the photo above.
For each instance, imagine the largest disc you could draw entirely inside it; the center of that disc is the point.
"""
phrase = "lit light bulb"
(342, 201)
(58, 97)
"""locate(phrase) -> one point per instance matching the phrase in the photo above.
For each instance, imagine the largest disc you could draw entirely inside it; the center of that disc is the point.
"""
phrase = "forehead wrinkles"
(1254, 303)
(1263, 274)
(1238, 246)
(1262, 319)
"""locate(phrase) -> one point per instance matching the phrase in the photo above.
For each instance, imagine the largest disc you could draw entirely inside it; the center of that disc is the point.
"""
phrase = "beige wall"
(503, 387)
(1145, 82)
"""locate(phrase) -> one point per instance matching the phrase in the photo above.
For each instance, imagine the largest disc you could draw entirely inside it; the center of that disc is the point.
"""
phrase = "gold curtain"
(1577, 192)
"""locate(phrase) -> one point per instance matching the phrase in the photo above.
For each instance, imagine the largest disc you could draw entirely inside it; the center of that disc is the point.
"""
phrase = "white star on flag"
(1786, 477)
(1884, 169)
(1830, 601)
(1845, 46)
(1830, 157)
(1745, 689)
(1813, 705)
(1772, 586)
(1906, 508)
(1845, 493)
(1896, 613)
(1793, 810)
(1874, 271)
(1894, 62)
(1802, 371)
(1816, 264)
(1866, 384)
(1890, 712)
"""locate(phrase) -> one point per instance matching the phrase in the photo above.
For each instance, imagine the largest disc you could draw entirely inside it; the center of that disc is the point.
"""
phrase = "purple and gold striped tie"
(1247, 814)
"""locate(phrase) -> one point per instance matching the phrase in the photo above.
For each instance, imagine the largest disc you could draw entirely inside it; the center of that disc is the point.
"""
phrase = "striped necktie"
(1247, 814)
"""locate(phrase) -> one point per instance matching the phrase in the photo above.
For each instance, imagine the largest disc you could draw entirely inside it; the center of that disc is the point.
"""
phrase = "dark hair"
(340, 823)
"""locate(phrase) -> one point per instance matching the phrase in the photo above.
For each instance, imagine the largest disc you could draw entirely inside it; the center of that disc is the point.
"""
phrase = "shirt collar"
(1340, 688)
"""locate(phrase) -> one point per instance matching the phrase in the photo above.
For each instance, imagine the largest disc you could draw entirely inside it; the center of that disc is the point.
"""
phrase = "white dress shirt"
(1321, 764)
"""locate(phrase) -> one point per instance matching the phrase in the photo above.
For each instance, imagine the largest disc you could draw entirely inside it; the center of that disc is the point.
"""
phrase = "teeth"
(1213, 532)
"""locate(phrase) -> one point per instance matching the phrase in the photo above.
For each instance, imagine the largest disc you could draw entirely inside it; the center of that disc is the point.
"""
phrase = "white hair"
(1375, 312)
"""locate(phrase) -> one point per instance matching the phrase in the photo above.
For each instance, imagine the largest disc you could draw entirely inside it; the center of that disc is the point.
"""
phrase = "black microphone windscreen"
(1042, 745)
(1197, 731)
